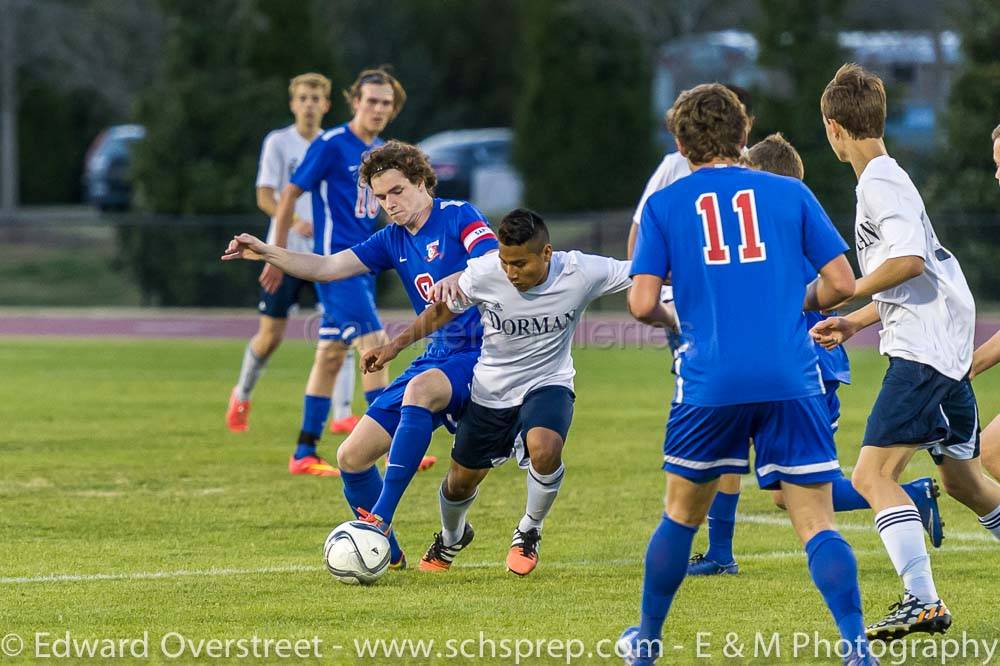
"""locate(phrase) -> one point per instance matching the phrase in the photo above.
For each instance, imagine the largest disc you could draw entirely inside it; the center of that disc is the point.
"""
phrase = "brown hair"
(311, 79)
(403, 157)
(710, 122)
(855, 98)
(380, 76)
(775, 154)
(996, 133)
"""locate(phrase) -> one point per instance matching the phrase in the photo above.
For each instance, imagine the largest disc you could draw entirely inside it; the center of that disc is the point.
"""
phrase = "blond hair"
(312, 80)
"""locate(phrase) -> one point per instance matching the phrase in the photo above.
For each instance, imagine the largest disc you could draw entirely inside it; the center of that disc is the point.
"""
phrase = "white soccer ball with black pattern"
(356, 553)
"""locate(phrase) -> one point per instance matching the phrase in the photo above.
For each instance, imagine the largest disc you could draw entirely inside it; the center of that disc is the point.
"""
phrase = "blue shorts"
(280, 302)
(918, 405)
(832, 402)
(489, 436)
(348, 308)
(457, 367)
(792, 441)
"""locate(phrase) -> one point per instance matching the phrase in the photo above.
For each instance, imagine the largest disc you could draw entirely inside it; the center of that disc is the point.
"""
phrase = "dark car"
(475, 165)
(106, 171)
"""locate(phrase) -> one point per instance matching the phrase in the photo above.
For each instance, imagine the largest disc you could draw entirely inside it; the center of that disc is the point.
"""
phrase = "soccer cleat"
(925, 493)
(345, 425)
(238, 413)
(522, 558)
(311, 465)
(634, 654)
(399, 564)
(374, 520)
(699, 565)
(909, 615)
(439, 556)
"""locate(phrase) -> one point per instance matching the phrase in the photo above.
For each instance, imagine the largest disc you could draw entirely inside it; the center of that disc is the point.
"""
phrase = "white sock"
(343, 388)
(250, 372)
(453, 517)
(991, 522)
(903, 536)
(542, 491)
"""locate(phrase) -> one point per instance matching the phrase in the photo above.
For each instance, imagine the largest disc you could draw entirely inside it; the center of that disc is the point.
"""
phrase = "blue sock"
(845, 497)
(413, 436)
(314, 413)
(371, 395)
(835, 573)
(666, 565)
(721, 525)
(362, 490)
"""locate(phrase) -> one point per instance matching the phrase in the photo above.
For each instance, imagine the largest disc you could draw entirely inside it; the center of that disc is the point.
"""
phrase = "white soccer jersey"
(929, 319)
(528, 336)
(673, 167)
(280, 155)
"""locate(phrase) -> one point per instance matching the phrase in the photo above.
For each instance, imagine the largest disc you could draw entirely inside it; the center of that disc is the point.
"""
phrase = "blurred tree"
(223, 85)
(798, 52)
(583, 121)
(962, 192)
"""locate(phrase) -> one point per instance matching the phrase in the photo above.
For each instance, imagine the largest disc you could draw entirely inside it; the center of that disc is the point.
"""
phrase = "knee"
(457, 487)
(545, 448)
(424, 391)
(267, 341)
(330, 359)
(352, 458)
(866, 480)
(991, 460)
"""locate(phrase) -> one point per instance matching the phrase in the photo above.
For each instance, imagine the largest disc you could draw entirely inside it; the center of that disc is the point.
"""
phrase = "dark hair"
(521, 226)
(380, 75)
(403, 157)
(855, 98)
(775, 154)
(710, 122)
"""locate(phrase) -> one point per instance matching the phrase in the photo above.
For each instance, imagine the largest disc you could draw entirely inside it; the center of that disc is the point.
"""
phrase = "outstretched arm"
(305, 265)
(431, 319)
(836, 330)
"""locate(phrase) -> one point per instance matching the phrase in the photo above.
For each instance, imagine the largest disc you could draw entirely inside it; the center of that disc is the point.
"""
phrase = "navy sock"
(721, 525)
(413, 436)
(666, 565)
(845, 497)
(314, 413)
(834, 570)
(371, 395)
(362, 490)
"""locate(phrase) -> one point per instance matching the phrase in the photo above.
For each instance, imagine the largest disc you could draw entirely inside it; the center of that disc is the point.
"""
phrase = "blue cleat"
(699, 565)
(634, 654)
(924, 493)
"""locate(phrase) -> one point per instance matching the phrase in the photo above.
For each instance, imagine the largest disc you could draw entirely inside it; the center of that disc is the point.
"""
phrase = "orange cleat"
(238, 413)
(523, 555)
(439, 556)
(345, 425)
(311, 465)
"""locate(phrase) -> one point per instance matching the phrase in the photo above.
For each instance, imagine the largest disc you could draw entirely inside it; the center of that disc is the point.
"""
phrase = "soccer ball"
(356, 553)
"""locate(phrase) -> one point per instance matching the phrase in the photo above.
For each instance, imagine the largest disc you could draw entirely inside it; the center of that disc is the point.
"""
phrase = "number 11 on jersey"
(751, 247)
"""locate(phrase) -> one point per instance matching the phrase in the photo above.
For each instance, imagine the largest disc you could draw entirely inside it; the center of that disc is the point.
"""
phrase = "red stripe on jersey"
(475, 232)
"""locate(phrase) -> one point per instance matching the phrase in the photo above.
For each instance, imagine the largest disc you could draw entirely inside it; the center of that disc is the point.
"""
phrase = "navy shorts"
(348, 308)
(489, 437)
(457, 367)
(288, 294)
(792, 440)
(918, 405)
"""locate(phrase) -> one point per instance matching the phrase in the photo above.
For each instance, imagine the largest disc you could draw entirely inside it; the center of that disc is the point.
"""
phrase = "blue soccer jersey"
(833, 363)
(733, 241)
(454, 233)
(344, 210)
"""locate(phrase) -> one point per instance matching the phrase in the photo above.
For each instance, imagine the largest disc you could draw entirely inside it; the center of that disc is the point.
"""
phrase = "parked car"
(475, 165)
(106, 171)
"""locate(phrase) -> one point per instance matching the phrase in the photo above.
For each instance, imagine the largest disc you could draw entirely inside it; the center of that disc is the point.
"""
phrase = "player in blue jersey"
(344, 214)
(776, 155)
(429, 239)
(725, 236)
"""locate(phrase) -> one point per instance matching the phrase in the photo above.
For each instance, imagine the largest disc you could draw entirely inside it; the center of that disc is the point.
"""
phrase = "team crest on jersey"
(433, 251)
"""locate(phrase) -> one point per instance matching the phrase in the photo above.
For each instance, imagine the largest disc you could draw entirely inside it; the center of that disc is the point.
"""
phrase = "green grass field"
(126, 507)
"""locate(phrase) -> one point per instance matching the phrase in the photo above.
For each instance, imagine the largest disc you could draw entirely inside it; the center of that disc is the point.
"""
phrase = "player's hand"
(302, 227)
(270, 278)
(832, 332)
(448, 291)
(245, 246)
(376, 359)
